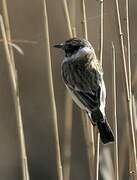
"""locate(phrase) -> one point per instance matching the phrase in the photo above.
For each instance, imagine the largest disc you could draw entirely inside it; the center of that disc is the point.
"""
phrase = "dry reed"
(128, 47)
(67, 137)
(101, 59)
(67, 16)
(8, 31)
(68, 102)
(134, 115)
(88, 128)
(68, 107)
(84, 21)
(127, 84)
(15, 92)
(51, 91)
(115, 115)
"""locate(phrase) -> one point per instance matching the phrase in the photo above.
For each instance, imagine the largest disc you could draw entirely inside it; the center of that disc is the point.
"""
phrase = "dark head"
(73, 45)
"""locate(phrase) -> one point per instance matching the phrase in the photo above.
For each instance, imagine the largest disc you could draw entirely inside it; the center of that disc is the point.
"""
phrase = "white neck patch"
(80, 53)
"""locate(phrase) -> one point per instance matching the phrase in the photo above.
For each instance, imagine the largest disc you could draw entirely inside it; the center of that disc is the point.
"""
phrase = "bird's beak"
(61, 46)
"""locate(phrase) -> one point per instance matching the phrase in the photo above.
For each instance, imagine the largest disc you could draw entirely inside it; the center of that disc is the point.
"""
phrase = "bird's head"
(75, 46)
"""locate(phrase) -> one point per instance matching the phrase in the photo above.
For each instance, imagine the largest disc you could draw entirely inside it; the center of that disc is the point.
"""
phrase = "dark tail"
(105, 131)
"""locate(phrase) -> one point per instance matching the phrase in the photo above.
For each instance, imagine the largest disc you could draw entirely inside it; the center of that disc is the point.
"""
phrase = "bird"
(82, 74)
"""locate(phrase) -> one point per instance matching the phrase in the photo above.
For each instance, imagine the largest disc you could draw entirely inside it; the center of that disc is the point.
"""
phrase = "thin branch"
(8, 31)
(67, 16)
(134, 114)
(15, 92)
(68, 101)
(51, 91)
(101, 30)
(127, 84)
(122, 49)
(101, 59)
(85, 30)
(97, 156)
(89, 139)
(67, 136)
(88, 128)
(128, 47)
(130, 90)
(115, 115)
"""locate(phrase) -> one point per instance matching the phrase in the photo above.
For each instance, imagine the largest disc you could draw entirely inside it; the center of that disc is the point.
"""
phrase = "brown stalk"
(101, 59)
(67, 16)
(8, 31)
(128, 93)
(88, 135)
(15, 92)
(97, 156)
(128, 47)
(115, 116)
(67, 137)
(101, 30)
(88, 128)
(51, 91)
(85, 30)
(122, 49)
(68, 101)
(134, 115)
(131, 162)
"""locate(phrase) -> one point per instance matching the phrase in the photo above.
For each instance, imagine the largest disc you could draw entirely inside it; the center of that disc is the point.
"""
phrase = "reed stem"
(85, 30)
(67, 16)
(15, 92)
(69, 103)
(97, 156)
(88, 128)
(101, 61)
(51, 91)
(128, 47)
(134, 115)
(8, 30)
(67, 137)
(115, 115)
(101, 30)
(128, 94)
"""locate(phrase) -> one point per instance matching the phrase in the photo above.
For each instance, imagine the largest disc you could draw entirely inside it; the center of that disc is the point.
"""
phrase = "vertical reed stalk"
(84, 22)
(15, 92)
(7, 28)
(67, 137)
(67, 16)
(115, 116)
(101, 30)
(97, 157)
(128, 47)
(131, 162)
(51, 91)
(101, 59)
(69, 104)
(127, 84)
(88, 128)
(122, 48)
(89, 139)
(134, 115)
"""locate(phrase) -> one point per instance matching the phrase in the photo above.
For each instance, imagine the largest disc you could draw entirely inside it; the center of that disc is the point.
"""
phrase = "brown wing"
(83, 81)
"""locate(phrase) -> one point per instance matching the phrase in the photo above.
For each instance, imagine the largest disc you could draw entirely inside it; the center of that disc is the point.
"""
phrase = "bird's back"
(81, 74)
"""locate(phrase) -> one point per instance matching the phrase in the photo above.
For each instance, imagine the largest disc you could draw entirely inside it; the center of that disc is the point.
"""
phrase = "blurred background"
(27, 23)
